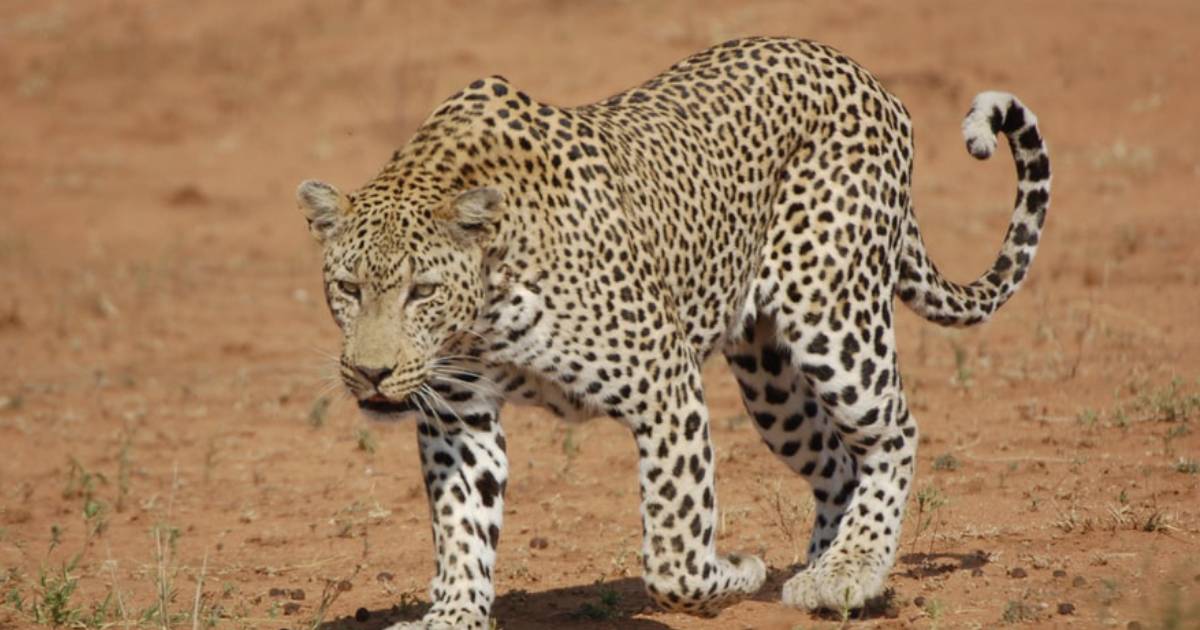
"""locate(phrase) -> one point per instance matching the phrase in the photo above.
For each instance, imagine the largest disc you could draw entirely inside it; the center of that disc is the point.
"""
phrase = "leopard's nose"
(374, 376)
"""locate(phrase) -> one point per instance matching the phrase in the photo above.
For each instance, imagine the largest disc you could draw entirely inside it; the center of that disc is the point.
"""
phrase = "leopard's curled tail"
(920, 284)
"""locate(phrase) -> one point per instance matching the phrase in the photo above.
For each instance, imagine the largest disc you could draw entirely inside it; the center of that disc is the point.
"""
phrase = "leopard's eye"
(353, 291)
(421, 291)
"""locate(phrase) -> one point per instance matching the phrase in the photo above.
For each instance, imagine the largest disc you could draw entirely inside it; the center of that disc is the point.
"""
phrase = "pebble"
(1066, 608)
(1059, 573)
(1017, 572)
(538, 542)
(362, 615)
(1078, 581)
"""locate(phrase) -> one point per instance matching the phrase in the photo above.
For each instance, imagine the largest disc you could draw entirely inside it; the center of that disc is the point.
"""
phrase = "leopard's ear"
(324, 208)
(473, 215)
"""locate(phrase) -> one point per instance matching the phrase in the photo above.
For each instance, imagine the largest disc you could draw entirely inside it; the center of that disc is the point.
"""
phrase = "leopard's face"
(403, 280)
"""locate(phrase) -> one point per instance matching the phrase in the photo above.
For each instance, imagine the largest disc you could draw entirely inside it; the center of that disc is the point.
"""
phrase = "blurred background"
(174, 451)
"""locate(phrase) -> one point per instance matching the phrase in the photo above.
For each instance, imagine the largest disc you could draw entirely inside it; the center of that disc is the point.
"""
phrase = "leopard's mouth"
(386, 406)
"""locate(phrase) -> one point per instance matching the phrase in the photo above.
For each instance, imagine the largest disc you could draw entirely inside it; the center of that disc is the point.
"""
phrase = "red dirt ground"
(163, 344)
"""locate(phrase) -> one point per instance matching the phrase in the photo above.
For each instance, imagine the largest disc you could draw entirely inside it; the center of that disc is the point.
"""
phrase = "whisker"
(325, 353)
(467, 378)
(447, 358)
(427, 407)
(466, 375)
(442, 401)
(481, 386)
(482, 392)
(478, 336)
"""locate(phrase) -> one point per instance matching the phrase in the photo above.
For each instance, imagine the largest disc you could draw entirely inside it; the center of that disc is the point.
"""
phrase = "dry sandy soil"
(164, 347)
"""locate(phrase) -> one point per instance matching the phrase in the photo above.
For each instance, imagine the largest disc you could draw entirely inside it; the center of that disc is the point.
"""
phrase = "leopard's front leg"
(466, 470)
(682, 569)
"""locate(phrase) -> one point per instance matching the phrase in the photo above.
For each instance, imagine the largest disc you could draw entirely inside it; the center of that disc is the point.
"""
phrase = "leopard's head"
(403, 280)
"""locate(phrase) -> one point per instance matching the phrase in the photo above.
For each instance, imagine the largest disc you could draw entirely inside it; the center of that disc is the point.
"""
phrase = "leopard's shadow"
(606, 604)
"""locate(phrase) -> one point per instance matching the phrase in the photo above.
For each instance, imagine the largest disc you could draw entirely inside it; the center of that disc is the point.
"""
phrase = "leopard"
(753, 201)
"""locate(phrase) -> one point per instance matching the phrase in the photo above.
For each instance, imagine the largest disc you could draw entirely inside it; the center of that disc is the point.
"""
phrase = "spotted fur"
(753, 200)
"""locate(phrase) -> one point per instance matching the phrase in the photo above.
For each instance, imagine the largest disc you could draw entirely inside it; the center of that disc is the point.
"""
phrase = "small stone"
(538, 542)
(362, 615)
(976, 572)
(296, 594)
(1059, 573)
(187, 195)
(1133, 625)
(384, 577)
(276, 592)
(1066, 608)
(344, 586)
(919, 601)
(291, 608)
(1078, 581)
(1017, 572)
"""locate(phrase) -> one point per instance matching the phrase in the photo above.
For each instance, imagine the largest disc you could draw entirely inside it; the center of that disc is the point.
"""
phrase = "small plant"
(103, 613)
(935, 609)
(166, 539)
(52, 604)
(962, 369)
(604, 609)
(1170, 404)
(1120, 419)
(1172, 434)
(409, 604)
(1011, 468)
(366, 441)
(81, 484)
(319, 412)
(1070, 520)
(945, 461)
(210, 460)
(329, 594)
(124, 471)
(56, 532)
(1110, 591)
(1087, 418)
(570, 445)
(1187, 466)
(13, 598)
(844, 610)
(1018, 611)
(790, 516)
(570, 449)
(95, 517)
(1157, 521)
(929, 500)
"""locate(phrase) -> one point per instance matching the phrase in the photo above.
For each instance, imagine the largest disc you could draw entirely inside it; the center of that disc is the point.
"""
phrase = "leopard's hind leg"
(854, 446)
